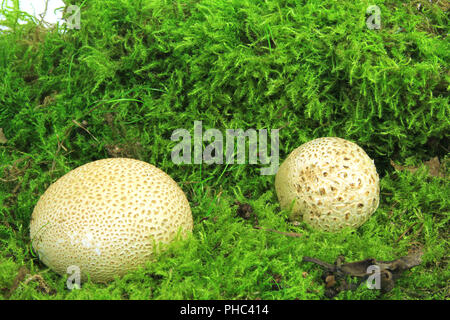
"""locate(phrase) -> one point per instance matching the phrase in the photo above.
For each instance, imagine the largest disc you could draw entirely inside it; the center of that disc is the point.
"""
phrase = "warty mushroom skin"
(105, 217)
(331, 182)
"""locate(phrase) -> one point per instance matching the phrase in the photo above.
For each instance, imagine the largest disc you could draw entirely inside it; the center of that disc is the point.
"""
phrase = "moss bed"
(137, 70)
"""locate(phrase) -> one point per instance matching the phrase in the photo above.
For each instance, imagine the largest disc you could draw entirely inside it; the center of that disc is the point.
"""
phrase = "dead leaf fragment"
(21, 274)
(276, 281)
(433, 165)
(330, 281)
(42, 286)
(245, 210)
(2, 137)
(24, 276)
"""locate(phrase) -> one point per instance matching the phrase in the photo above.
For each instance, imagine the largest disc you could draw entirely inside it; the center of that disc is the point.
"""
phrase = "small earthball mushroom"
(106, 216)
(330, 182)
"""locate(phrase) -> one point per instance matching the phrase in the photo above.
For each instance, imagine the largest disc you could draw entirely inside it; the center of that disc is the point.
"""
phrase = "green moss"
(137, 70)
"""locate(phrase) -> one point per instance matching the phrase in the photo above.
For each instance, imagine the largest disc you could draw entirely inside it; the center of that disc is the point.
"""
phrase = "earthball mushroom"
(331, 183)
(107, 217)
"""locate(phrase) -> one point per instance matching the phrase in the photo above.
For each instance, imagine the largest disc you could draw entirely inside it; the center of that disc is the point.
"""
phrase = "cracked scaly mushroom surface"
(331, 182)
(105, 216)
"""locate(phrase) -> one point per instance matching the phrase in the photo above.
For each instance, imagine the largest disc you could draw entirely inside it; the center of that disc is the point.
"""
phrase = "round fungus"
(106, 217)
(330, 183)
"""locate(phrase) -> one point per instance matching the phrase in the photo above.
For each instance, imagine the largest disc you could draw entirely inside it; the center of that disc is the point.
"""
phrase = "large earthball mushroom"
(106, 216)
(331, 183)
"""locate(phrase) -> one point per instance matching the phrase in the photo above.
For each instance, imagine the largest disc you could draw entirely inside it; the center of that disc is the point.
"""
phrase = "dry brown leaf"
(433, 165)
(2, 137)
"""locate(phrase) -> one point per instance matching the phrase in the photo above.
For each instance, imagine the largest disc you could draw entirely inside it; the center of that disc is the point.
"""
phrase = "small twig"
(42, 15)
(218, 195)
(406, 231)
(280, 112)
(81, 126)
(419, 231)
(289, 234)
(60, 143)
(326, 265)
(16, 188)
(189, 182)
(284, 126)
(9, 180)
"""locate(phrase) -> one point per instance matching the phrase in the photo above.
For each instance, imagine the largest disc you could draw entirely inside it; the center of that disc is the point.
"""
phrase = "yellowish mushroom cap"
(105, 217)
(331, 183)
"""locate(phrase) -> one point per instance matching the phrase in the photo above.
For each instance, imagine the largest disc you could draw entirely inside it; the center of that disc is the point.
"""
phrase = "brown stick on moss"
(336, 273)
